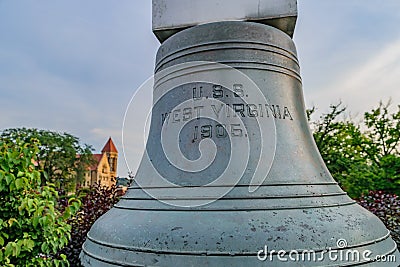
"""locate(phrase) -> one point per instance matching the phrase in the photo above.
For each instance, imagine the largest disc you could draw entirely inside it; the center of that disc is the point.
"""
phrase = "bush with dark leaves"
(96, 201)
(387, 207)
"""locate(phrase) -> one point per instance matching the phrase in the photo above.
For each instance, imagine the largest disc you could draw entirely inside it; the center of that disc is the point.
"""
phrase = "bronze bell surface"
(231, 175)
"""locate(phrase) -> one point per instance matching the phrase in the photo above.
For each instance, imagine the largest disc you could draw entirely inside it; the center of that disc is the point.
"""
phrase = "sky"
(73, 66)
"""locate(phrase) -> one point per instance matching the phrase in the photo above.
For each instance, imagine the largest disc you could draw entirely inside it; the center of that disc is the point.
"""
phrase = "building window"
(111, 164)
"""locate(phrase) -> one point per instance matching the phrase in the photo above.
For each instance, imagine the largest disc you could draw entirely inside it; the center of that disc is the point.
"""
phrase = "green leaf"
(44, 247)
(30, 244)
(5, 167)
(66, 214)
(19, 183)
(30, 203)
(8, 250)
(9, 178)
(63, 257)
(11, 221)
(35, 221)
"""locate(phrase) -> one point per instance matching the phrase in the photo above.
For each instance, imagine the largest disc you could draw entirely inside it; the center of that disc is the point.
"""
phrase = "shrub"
(96, 201)
(32, 230)
(387, 207)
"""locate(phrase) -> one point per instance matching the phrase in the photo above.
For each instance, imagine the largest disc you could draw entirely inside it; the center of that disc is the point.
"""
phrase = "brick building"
(104, 170)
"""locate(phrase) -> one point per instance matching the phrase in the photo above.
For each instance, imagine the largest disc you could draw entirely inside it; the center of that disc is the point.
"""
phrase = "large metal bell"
(231, 175)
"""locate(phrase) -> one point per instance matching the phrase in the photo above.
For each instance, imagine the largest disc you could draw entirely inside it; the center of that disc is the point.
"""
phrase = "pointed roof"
(109, 147)
(97, 158)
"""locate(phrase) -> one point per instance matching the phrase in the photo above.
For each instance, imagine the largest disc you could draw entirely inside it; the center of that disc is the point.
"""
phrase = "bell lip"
(95, 243)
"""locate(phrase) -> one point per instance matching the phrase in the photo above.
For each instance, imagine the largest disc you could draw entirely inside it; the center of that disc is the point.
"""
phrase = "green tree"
(61, 156)
(361, 157)
(337, 140)
(32, 230)
(383, 146)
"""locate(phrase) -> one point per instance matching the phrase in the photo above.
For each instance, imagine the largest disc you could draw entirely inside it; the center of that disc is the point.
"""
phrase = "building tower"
(112, 156)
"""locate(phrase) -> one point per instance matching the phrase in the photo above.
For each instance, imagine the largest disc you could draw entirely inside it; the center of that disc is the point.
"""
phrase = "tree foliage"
(361, 156)
(32, 230)
(383, 143)
(57, 155)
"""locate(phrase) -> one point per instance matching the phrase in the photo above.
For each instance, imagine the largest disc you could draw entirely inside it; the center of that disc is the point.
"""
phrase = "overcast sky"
(74, 65)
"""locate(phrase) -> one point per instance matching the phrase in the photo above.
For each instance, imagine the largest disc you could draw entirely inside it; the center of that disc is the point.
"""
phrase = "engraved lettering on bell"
(199, 130)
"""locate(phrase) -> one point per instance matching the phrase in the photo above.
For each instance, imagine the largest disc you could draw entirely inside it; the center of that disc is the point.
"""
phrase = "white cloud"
(365, 84)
